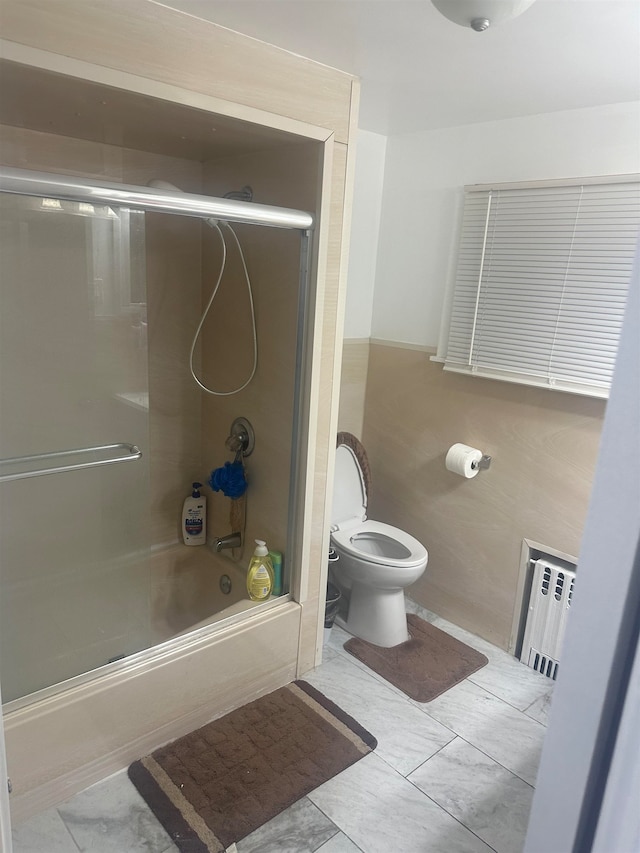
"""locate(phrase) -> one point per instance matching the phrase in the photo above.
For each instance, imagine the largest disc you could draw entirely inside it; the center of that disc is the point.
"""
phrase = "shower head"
(245, 194)
(165, 185)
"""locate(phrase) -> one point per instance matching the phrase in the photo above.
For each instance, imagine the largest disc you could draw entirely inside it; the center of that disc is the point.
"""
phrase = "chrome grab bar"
(22, 467)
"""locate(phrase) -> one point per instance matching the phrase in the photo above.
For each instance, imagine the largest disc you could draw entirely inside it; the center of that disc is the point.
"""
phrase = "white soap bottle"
(194, 517)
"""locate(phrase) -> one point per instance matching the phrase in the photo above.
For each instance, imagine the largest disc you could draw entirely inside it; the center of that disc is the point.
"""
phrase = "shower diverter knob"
(242, 437)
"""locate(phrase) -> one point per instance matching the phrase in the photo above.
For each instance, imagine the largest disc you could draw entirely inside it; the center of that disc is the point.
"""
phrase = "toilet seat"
(379, 543)
(351, 531)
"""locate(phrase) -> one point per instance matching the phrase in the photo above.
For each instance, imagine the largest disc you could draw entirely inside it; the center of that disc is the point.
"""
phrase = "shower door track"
(68, 188)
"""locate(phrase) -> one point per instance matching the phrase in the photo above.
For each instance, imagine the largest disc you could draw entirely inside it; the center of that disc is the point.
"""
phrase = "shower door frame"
(43, 185)
(292, 628)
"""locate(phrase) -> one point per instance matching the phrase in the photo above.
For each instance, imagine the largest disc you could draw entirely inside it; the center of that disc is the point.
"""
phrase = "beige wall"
(174, 279)
(353, 386)
(544, 446)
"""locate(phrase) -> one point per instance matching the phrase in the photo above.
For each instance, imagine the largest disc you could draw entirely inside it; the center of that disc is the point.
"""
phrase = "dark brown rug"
(426, 665)
(219, 783)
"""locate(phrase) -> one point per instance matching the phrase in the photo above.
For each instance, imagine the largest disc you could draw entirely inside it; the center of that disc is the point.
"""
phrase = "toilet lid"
(349, 493)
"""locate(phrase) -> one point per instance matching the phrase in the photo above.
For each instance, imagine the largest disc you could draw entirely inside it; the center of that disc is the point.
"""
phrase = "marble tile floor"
(454, 775)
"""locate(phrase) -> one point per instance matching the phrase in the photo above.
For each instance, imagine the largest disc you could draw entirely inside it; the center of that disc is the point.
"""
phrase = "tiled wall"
(285, 177)
(544, 446)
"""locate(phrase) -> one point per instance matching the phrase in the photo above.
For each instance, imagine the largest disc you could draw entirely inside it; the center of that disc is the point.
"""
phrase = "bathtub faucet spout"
(232, 540)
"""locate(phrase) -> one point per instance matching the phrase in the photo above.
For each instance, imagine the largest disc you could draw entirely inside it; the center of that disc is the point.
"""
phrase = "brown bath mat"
(216, 785)
(423, 667)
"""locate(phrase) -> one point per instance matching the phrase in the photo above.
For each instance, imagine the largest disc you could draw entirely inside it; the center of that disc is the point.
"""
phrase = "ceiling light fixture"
(481, 14)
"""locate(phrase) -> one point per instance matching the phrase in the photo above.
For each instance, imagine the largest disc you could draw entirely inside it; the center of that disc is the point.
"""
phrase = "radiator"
(549, 604)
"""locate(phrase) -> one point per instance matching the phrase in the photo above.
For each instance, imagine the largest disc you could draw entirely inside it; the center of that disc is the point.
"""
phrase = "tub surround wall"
(85, 733)
(286, 177)
(174, 281)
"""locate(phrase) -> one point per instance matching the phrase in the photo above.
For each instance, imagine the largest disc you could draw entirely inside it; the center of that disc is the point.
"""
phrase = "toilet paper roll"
(463, 460)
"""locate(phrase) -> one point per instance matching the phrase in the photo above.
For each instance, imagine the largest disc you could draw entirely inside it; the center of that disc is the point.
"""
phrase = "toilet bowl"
(376, 561)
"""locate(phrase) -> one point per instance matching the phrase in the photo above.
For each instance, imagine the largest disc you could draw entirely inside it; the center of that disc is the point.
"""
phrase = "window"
(541, 284)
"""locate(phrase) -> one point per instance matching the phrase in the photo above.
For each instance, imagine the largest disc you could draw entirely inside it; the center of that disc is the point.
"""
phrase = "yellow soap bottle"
(260, 573)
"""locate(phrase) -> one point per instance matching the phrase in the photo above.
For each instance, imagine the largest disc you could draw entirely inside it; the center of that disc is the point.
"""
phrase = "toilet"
(375, 561)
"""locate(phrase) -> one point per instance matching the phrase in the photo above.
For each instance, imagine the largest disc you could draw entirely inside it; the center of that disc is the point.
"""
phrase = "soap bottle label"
(260, 584)
(193, 523)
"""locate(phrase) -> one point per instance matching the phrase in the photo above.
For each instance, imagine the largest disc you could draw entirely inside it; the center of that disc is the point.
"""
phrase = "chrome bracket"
(483, 463)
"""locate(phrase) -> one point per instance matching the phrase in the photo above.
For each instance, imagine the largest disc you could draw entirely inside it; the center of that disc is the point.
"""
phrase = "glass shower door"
(74, 543)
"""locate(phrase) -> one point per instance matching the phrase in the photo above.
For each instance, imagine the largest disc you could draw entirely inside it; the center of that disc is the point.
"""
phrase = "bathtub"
(63, 738)
(192, 587)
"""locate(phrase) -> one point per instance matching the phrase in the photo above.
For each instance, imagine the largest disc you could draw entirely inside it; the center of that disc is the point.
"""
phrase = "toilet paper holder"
(482, 464)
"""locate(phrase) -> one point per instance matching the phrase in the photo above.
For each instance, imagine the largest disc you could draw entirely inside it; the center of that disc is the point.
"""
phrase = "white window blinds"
(541, 282)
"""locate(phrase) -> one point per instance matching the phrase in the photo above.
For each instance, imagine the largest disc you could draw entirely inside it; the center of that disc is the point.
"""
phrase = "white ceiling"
(420, 71)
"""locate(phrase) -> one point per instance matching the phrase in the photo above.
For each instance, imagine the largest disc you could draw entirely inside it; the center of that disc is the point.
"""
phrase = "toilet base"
(377, 615)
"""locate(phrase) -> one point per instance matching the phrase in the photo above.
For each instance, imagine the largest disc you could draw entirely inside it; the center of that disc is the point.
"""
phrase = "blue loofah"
(230, 480)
